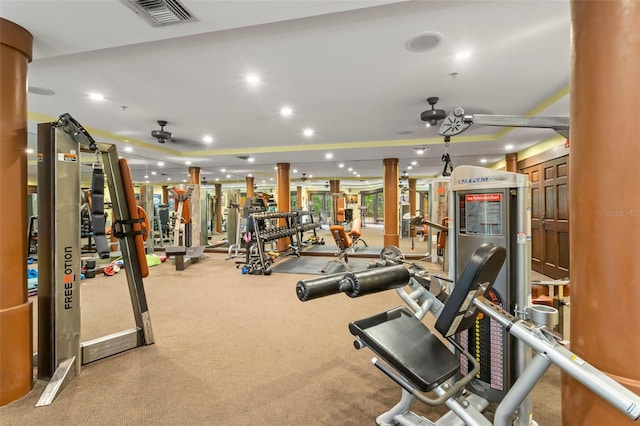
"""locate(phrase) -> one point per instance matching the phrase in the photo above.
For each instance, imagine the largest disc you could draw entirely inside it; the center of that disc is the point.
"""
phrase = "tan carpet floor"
(231, 349)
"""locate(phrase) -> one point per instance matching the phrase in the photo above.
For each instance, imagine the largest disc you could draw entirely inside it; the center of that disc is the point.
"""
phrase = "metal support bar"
(103, 347)
(598, 382)
(520, 391)
(127, 244)
(61, 377)
(457, 122)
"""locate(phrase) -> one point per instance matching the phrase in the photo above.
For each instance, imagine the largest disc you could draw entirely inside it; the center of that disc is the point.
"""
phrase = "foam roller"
(357, 284)
(318, 287)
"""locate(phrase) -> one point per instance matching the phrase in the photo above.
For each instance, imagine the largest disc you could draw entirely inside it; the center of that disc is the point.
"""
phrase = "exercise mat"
(313, 265)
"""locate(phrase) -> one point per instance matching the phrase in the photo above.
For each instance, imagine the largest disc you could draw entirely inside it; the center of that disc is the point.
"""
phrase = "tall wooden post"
(284, 199)
(16, 317)
(605, 203)
(249, 181)
(512, 162)
(390, 193)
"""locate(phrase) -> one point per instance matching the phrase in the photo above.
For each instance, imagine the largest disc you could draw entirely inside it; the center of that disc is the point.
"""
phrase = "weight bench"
(184, 256)
(345, 241)
(422, 360)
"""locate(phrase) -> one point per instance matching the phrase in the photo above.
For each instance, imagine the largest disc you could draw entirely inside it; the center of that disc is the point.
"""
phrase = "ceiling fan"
(433, 115)
(162, 135)
(304, 177)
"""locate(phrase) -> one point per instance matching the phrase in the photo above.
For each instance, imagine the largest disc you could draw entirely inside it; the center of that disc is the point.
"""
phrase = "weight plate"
(391, 253)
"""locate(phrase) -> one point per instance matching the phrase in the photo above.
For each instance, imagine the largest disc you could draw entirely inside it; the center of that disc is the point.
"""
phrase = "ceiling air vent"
(161, 12)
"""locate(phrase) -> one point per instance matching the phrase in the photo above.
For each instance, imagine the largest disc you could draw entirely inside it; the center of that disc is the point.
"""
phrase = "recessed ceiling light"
(483, 160)
(250, 175)
(270, 178)
(424, 42)
(120, 157)
(355, 173)
(253, 80)
(275, 168)
(146, 181)
(128, 149)
(414, 163)
(187, 163)
(463, 55)
(207, 139)
(217, 179)
(507, 147)
(96, 96)
(350, 169)
(341, 165)
(29, 151)
(358, 175)
(286, 111)
(223, 170)
(308, 132)
(310, 176)
(328, 156)
(154, 173)
(160, 163)
(420, 150)
(228, 176)
(146, 176)
(264, 181)
(168, 178)
(295, 170)
(251, 159)
(184, 180)
(409, 167)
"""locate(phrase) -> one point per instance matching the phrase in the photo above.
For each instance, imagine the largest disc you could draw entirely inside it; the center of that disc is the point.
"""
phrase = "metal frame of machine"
(60, 350)
(398, 334)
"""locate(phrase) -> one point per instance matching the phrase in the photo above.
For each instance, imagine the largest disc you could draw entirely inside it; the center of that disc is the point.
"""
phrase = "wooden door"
(550, 217)
(537, 255)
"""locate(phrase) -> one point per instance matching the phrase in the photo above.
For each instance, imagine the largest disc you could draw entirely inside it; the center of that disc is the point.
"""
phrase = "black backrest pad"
(482, 268)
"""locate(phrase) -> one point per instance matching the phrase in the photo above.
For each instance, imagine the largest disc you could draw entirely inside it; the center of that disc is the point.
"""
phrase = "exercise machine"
(414, 357)
(345, 241)
(61, 353)
(182, 250)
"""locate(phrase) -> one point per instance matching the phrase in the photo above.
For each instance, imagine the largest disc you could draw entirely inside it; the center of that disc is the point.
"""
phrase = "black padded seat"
(403, 341)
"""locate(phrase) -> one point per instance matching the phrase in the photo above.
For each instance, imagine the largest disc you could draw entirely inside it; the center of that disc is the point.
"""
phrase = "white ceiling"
(341, 65)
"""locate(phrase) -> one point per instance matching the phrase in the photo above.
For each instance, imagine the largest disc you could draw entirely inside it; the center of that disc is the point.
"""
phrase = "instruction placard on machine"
(482, 214)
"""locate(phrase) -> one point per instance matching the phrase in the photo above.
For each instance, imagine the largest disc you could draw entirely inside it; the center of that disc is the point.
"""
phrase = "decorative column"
(334, 188)
(512, 161)
(412, 203)
(284, 199)
(16, 317)
(299, 196)
(165, 194)
(249, 180)
(194, 175)
(390, 193)
(218, 187)
(605, 203)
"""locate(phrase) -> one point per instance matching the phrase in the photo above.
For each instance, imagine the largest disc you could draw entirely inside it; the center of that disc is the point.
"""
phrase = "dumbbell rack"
(268, 227)
(309, 226)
